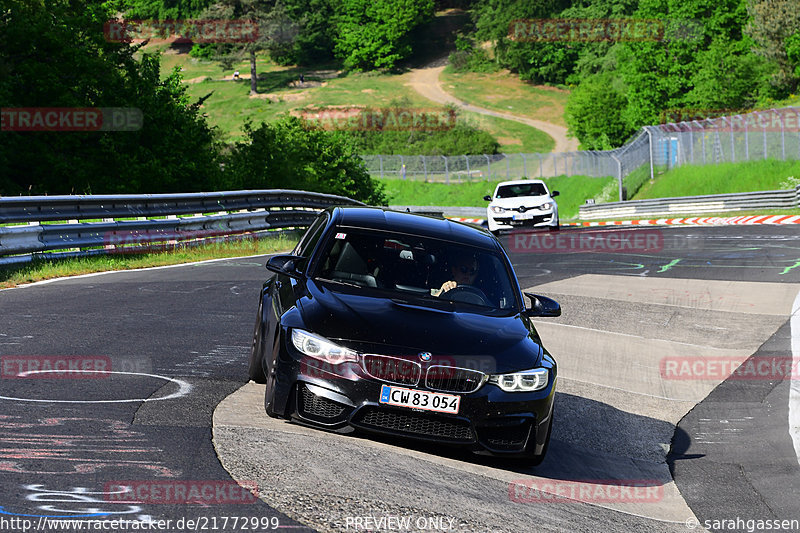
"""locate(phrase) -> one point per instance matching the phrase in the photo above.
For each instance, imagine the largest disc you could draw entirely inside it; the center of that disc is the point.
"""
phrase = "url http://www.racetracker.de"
(201, 523)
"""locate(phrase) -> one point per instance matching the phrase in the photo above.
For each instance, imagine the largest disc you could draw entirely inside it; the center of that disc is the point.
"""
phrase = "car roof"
(414, 224)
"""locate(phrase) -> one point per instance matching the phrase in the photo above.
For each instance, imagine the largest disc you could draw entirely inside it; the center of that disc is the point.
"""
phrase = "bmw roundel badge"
(425, 356)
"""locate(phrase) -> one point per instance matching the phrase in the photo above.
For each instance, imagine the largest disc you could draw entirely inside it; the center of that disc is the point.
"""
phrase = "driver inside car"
(463, 271)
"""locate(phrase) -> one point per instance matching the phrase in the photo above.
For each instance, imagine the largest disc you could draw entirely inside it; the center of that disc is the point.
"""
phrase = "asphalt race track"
(649, 434)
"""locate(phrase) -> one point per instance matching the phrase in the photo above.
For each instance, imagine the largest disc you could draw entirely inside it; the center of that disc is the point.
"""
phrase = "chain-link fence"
(461, 168)
(770, 134)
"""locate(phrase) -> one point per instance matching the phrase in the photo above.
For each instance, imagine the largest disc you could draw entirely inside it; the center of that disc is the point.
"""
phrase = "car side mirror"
(542, 306)
(554, 194)
(285, 264)
(488, 198)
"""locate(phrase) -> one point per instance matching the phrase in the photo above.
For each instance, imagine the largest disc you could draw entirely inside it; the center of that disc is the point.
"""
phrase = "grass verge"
(751, 176)
(42, 269)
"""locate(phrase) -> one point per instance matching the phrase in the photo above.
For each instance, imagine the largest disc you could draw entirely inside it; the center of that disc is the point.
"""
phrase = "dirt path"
(425, 81)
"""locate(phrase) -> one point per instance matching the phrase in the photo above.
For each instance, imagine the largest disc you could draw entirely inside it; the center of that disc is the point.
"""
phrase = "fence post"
(746, 140)
(446, 171)
(619, 174)
(488, 164)
(380, 157)
(466, 157)
(703, 140)
(650, 152)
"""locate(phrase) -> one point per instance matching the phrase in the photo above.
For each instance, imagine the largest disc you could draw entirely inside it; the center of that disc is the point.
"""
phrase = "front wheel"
(256, 369)
(536, 460)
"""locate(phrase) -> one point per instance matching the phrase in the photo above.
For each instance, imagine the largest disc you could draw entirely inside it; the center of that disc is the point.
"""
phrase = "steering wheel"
(467, 294)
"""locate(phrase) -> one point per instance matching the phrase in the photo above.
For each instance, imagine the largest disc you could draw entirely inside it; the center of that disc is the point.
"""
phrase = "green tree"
(163, 9)
(376, 34)
(772, 25)
(711, 66)
(274, 30)
(594, 112)
(314, 42)
(53, 54)
(284, 154)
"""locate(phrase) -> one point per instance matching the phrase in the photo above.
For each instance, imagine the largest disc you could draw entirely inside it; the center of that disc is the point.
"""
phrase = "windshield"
(522, 189)
(418, 267)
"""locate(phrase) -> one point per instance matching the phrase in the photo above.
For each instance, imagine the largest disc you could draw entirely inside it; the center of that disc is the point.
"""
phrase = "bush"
(286, 155)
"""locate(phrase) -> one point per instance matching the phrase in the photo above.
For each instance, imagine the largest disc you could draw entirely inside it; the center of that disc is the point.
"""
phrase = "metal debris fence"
(754, 135)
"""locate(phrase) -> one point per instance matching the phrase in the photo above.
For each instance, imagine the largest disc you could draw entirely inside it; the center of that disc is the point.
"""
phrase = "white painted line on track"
(93, 274)
(692, 400)
(184, 388)
(794, 390)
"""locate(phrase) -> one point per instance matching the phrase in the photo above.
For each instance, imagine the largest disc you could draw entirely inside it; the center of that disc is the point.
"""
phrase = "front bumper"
(507, 221)
(489, 420)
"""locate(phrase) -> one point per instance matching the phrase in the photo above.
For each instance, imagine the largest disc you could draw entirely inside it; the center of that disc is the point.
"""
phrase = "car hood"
(405, 328)
(527, 201)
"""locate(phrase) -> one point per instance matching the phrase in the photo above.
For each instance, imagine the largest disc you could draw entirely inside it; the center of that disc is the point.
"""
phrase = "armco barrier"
(255, 211)
(715, 203)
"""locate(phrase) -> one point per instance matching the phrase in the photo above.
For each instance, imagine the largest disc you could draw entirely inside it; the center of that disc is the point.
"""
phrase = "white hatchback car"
(522, 203)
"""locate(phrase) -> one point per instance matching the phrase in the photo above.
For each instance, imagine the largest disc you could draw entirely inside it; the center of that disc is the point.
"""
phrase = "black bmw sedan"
(405, 325)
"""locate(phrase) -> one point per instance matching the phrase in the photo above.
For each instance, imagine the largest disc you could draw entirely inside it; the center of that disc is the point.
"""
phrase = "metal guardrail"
(255, 211)
(714, 203)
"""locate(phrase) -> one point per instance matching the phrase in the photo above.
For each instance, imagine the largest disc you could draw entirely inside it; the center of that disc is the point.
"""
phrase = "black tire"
(269, 391)
(536, 460)
(557, 227)
(256, 369)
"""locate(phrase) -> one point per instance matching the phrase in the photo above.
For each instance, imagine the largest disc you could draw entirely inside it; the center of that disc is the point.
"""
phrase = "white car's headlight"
(497, 209)
(525, 381)
(545, 206)
(321, 348)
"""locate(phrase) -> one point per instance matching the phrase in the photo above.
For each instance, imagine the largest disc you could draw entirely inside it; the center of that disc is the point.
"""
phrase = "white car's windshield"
(523, 189)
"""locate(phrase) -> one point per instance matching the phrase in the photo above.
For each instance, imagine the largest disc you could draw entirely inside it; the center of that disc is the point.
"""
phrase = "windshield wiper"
(340, 282)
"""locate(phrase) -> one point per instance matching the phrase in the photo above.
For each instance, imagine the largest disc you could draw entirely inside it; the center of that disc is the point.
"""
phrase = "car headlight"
(525, 381)
(545, 206)
(497, 209)
(321, 348)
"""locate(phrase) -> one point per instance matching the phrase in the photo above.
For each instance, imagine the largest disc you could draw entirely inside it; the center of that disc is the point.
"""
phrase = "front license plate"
(420, 399)
(523, 216)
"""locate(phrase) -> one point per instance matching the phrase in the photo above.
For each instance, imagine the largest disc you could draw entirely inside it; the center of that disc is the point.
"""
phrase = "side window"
(311, 237)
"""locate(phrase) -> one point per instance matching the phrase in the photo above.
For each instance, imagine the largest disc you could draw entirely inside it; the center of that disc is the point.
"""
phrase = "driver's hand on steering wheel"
(446, 286)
